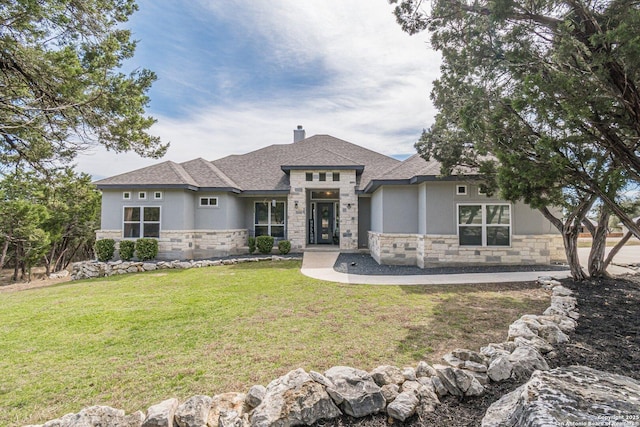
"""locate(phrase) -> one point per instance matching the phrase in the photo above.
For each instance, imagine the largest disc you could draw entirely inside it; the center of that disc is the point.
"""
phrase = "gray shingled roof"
(413, 166)
(259, 170)
(163, 174)
(207, 175)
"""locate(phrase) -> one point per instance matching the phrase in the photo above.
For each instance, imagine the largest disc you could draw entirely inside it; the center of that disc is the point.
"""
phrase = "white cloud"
(376, 94)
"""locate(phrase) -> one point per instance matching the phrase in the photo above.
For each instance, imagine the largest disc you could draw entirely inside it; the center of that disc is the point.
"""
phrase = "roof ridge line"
(177, 168)
(325, 149)
(221, 174)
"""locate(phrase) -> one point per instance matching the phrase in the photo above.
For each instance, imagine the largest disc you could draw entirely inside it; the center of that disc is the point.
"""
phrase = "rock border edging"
(301, 398)
(95, 269)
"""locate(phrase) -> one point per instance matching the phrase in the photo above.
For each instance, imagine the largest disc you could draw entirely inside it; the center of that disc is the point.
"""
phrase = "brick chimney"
(299, 134)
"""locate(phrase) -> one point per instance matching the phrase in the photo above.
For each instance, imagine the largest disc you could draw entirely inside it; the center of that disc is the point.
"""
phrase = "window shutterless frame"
(141, 221)
(484, 224)
(270, 219)
(208, 202)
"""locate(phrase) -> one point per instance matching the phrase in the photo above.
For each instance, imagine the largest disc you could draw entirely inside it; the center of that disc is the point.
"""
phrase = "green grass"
(132, 341)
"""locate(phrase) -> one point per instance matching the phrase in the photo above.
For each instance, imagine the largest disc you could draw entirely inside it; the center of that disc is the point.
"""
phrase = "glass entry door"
(324, 223)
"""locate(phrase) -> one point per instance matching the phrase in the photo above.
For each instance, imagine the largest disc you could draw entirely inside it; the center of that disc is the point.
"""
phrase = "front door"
(324, 221)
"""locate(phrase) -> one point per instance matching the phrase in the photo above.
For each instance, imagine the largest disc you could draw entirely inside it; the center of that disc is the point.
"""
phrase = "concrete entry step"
(319, 259)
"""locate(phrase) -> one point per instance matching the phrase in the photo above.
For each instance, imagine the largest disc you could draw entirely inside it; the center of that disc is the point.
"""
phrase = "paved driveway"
(627, 255)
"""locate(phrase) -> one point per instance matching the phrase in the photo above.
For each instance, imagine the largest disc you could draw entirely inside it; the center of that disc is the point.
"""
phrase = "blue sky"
(234, 76)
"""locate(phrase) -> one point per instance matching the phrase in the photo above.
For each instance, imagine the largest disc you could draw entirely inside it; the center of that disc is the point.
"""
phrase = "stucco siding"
(440, 208)
(364, 221)
(400, 209)
(422, 208)
(376, 210)
(176, 208)
(227, 215)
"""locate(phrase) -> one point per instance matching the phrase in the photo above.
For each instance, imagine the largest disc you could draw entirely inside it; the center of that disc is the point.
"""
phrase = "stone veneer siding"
(436, 250)
(297, 218)
(192, 244)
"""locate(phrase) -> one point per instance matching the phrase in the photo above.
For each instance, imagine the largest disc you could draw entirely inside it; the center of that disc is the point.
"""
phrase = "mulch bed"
(607, 338)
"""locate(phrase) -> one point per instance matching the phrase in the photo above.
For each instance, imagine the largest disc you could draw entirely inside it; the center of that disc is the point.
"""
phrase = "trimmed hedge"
(252, 244)
(284, 247)
(146, 249)
(105, 248)
(127, 249)
(264, 244)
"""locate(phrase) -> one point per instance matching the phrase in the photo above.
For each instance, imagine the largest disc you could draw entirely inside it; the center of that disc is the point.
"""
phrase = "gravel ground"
(353, 263)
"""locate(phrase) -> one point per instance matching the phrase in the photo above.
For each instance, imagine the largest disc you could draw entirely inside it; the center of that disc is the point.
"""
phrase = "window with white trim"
(126, 195)
(157, 195)
(142, 195)
(269, 219)
(208, 202)
(484, 224)
(461, 190)
(141, 222)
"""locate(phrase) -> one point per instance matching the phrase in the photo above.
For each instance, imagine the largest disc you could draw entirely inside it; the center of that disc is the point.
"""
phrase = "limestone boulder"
(161, 415)
(536, 342)
(579, 394)
(294, 399)
(194, 412)
(409, 374)
(255, 395)
(355, 391)
(383, 375)
(403, 406)
(390, 392)
(500, 369)
(458, 382)
(98, 416)
(425, 370)
(525, 361)
(226, 402)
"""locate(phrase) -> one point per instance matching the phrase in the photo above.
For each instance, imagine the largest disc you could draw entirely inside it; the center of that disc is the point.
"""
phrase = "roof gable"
(163, 174)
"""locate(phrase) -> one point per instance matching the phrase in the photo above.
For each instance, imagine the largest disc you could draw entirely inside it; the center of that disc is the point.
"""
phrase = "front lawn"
(132, 341)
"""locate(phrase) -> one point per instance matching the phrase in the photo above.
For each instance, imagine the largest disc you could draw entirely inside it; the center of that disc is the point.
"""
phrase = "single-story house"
(322, 190)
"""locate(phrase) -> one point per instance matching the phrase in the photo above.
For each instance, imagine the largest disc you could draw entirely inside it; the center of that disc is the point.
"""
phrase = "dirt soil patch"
(607, 338)
(38, 280)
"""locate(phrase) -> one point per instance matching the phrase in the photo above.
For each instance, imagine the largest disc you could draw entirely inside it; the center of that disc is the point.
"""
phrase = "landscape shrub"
(146, 249)
(284, 247)
(252, 245)
(264, 244)
(105, 248)
(127, 249)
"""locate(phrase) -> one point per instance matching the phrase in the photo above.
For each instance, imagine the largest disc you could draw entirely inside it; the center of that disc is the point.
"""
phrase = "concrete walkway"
(319, 265)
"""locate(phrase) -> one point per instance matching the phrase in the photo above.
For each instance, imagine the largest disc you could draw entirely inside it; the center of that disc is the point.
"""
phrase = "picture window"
(141, 222)
(484, 225)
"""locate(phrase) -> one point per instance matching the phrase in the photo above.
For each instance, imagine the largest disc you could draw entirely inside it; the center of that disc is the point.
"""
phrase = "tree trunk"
(569, 230)
(596, 266)
(570, 239)
(614, 251)
(3, 256)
